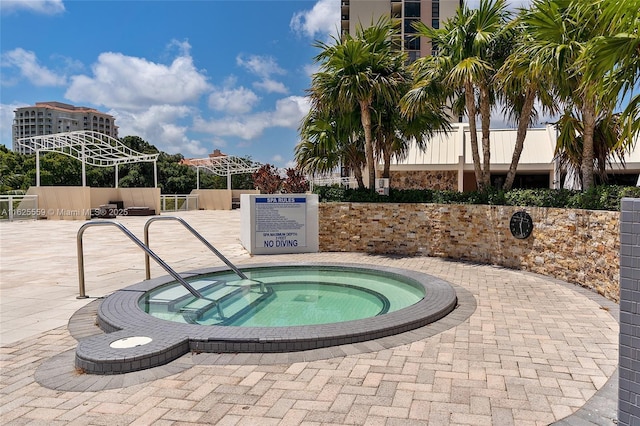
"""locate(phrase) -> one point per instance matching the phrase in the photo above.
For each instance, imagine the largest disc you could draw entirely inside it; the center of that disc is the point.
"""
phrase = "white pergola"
(94, 148)
(222, 165)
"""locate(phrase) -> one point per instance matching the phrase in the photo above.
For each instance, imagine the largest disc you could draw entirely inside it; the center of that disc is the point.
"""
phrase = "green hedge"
(605, 197)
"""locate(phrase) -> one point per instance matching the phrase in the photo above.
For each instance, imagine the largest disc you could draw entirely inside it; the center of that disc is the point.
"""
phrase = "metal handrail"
(196, 234)
(140, 244)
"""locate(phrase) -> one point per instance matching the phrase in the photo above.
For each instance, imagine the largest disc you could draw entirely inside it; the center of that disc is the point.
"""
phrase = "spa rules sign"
(281, 222)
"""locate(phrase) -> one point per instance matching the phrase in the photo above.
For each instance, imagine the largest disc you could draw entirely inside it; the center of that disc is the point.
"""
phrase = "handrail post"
(82, 294)
(139, 243)
(147, 266)
(196, 234)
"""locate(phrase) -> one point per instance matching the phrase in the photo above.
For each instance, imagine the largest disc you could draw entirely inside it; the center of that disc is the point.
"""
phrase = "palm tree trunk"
(471, 113)
(357, 172)
(485, 118)
(589, 122)
(386, 158)
(368, 143)
(521, 134)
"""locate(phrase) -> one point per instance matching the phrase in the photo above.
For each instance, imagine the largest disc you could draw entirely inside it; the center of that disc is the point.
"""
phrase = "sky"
(187, 76)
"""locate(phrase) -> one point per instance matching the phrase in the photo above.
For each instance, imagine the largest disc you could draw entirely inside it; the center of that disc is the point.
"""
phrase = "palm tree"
(522, 79)
(394, 130)
(467, 55)
(560, 32)
(357, 72)
(330, 141)
(616, 56)
(606, 142)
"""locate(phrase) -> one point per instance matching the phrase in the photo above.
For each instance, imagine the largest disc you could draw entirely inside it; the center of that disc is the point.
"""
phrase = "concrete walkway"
(531, 350)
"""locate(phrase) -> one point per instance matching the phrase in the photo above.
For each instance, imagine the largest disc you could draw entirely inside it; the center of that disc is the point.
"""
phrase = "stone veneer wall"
(578, 246)
(421, 179)
(629, 354)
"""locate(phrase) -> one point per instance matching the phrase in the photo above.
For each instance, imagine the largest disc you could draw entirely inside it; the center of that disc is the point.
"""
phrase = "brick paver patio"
(533, 351)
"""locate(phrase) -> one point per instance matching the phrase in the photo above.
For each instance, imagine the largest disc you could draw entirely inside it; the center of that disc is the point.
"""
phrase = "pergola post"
(197, 177)
(84, 166)
(155, 173)
(37, 167)
(117, 175)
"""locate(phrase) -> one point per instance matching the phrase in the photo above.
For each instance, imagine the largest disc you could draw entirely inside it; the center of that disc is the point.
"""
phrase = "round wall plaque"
(521, 225)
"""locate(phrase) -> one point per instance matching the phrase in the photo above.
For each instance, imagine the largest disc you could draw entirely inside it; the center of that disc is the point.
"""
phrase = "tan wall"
(76, 202)
(237, 192)
(219, 199)
(100, 196)
(578, 246)
(63, 202)
(213, 199)
(140, 197)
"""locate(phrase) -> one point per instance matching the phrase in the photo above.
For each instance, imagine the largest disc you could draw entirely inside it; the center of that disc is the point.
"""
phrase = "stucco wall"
(76, 202)
(578, 246)
(63, 202)
(213, 199)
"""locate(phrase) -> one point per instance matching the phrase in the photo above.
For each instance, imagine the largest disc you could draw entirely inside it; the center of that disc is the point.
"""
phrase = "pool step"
(238, 307)
(224, 303)
(232, 305)
(172, 299)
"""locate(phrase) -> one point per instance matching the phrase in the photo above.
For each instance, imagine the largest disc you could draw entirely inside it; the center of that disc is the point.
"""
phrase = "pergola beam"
(224, 165)
(93, 148)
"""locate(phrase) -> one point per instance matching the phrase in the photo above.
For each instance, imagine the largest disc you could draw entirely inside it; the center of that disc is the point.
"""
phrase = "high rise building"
(404, 13)
(47, 118)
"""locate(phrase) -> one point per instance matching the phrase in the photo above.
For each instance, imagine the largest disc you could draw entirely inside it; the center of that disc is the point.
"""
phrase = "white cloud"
(45, 7)
(233, 101)
(321, 20)
(271, 86)
(288, 113)
(291, 164)
(219, 143)
(248, 127)
(277, 159)
(121, 81)
(157, 125)
(262, 66)
(28, 67)
(311, 69)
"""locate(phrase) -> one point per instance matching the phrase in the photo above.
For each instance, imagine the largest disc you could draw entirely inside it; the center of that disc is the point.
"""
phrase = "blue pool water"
(284, 297)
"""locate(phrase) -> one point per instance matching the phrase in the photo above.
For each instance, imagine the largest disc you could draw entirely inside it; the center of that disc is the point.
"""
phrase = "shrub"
(295, 182)
(267, 179)
(605, 197)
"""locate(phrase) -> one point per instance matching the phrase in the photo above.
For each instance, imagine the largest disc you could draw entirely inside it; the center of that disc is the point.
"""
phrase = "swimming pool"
(284, 297)
(387, 301)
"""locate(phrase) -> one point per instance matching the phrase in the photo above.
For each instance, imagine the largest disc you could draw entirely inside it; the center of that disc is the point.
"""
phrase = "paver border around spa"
(58, 372)
(120, 315)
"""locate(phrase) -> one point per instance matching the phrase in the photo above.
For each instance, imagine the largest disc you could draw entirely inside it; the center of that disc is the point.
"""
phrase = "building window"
(408, 26)
(435, 24)
(435, 10)
(412, 9)
(411, 43)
